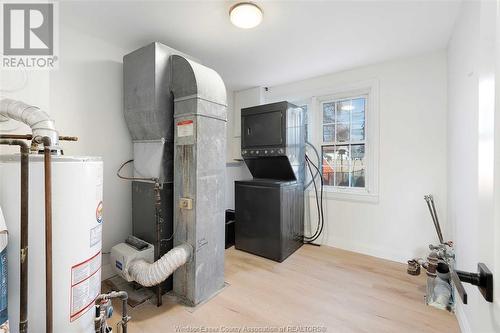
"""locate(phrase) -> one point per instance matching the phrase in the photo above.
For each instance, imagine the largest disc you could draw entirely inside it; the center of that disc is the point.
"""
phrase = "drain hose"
(149, 275)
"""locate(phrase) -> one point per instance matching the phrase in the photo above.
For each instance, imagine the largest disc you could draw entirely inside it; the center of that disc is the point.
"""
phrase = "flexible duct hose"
(40, 122)
(149, 275)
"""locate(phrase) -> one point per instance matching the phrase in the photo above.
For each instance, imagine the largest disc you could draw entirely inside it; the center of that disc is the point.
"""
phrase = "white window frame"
(369, 89)
(312, 98)
(334, 143)
(310, 124)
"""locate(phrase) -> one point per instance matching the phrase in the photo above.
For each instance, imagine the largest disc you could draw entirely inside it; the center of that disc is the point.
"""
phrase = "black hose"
(319, 204)
(318, 159)
(321, 201)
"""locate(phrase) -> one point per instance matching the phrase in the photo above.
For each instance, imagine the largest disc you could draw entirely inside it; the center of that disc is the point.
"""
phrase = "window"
(343, 124)
(344, 141)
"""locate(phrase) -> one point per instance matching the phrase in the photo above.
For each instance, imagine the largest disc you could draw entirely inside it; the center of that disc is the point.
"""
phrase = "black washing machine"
(270, 208)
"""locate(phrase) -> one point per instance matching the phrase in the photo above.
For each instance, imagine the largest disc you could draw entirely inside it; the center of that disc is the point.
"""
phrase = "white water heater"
(77, 187)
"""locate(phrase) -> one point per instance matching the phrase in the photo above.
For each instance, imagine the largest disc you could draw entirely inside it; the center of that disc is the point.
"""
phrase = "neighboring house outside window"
(344, 142)
(343, 124)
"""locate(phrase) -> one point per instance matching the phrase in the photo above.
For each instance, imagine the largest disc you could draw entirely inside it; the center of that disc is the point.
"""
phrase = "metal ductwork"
(199, 177)
(175, 110)
(40, 122)
(148, 111)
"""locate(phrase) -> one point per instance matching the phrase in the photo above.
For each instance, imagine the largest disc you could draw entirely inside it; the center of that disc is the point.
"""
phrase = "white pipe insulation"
(40, 122)
(148, 275)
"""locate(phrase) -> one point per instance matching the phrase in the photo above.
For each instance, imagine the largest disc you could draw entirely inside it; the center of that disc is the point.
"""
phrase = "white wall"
(86, 101)
(84, 97)
(412, 106)
(474, 201)
(29, 86)
(235, 167)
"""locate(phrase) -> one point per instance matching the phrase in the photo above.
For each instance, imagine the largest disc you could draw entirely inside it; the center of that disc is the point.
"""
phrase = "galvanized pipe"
(23, 302)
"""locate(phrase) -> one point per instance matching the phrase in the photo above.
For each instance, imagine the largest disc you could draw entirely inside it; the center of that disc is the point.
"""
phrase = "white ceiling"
(296, 40)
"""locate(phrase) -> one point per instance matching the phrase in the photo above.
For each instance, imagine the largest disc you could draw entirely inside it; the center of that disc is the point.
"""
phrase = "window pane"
(328, 153)
(344, 111)
(344, 126)
(358, 109)
(342, 165)
(343, 132)
(357, 131)
(328, 133)
(358, 152)
(358, 165)
(328, 113)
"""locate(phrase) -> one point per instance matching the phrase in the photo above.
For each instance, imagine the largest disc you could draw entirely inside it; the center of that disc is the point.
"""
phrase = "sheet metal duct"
(199, 177)
(148, 110)
(188, 159)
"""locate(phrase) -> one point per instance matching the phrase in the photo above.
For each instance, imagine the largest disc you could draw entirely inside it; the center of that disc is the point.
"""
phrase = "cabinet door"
(257, 227)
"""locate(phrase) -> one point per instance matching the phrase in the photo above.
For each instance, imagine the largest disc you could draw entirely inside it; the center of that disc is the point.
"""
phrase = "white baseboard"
(461, 317)
(383, 253)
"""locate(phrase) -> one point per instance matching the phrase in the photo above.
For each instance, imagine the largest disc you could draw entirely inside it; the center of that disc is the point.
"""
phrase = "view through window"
(344, 142)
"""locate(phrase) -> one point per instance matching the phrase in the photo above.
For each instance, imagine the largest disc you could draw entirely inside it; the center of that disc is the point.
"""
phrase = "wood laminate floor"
(321, 288)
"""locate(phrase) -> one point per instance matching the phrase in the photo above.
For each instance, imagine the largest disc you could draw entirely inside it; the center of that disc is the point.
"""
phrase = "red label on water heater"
(85, 285)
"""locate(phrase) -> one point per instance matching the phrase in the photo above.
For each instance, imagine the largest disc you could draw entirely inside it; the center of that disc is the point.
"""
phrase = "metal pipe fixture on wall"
(38, 120)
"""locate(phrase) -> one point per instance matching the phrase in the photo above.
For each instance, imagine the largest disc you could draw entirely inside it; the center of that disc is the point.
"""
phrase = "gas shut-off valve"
(441, 272)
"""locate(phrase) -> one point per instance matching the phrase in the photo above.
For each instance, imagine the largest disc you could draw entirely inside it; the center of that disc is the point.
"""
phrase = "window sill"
(330, 193)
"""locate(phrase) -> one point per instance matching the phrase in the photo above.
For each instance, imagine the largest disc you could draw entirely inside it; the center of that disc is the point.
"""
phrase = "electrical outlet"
(185, 203)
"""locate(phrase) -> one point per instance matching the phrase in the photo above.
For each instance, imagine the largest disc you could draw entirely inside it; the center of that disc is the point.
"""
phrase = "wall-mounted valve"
(483, 279)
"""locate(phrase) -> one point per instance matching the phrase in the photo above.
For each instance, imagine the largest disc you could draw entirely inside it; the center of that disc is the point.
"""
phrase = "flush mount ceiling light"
(245, 15)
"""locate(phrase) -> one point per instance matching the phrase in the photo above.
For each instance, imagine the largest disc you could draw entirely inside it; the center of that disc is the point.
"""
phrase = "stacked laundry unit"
(270, 207)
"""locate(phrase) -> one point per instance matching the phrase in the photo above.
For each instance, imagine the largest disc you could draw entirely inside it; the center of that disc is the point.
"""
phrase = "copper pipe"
(16, 136)
(68, 138)
(30, 137)
(48, 233)
(23, 302)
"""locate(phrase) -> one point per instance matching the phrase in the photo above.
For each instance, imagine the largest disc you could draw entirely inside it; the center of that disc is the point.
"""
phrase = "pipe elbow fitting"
(38, 120)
